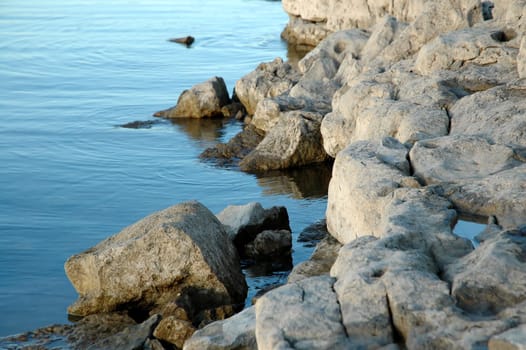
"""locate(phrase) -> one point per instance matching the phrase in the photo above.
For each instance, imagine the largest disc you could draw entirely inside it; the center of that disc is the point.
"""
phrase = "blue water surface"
(70, 73)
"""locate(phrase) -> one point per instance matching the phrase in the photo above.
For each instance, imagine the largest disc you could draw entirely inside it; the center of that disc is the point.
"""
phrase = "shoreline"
(415, 144)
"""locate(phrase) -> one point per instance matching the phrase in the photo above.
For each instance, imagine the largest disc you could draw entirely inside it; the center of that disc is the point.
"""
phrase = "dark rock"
(314, 233)
(268, 244)
(140, 124)
(186, 40)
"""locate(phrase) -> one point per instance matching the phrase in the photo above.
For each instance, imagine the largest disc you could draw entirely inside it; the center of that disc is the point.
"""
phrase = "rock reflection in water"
(296, 52)
(305, 182)
(208, 130)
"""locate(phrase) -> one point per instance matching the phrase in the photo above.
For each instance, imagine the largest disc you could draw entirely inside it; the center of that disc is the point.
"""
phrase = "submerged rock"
(180, 252)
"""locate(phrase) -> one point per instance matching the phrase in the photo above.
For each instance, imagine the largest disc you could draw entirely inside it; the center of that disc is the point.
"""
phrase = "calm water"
(70, 71)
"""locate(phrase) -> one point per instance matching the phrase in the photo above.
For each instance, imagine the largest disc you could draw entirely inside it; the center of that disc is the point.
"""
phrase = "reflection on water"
(205, 130)
(306, 182)
(296, 52)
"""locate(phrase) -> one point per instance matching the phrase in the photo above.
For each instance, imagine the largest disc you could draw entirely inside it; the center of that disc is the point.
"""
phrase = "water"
(70, 71)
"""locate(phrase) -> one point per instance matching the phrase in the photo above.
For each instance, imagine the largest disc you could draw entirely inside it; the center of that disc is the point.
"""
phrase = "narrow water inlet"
(469, 228)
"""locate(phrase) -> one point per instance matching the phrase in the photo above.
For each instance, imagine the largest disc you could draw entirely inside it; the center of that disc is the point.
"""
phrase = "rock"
(319, 263)
(236, 148)
(521, 59)
(294, 141)
(364, 176)
(153, 344)
(513, 339)
(497, 114)
(174, 331)
(491, 230)
(492, 277)
(140, 124)
(382, 35)
(180, 252)
(460, 158)
(132, 337)
(502, 195)
(480, 58)
(237, 332)
(187, 40)
(300, 32)
(268, 80)
(202, 100)
(303, 315)
(269, 243)
(395, 103)
(314, 233)
(244, 222)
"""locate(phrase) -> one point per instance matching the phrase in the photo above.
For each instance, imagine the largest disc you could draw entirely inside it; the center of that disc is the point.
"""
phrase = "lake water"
(70, 71)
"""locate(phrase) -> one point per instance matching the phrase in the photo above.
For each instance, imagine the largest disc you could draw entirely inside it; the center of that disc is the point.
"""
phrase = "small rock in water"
(186, 40)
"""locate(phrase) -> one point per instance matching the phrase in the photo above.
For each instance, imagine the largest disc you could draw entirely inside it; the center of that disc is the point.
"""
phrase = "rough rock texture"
(302, 315)
(513, 339)
(237, 332)
(492, 277)
(270, 243)
(497, 114)
(268, 80)
(174, 331)
(364, 176)
(202, 100)
(293, 142)
(319, 263)
(460, 158)
(180, 250)
(244, 222)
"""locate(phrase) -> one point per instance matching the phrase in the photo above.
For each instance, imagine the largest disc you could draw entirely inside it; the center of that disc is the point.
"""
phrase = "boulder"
(460, 158)
(294, 141)
(481, 57)
(268, 80)
(314, 233)
(304, 315)
(244, 222)
(497, 114)
(174, 331)
(236, 332)
(269, 244)
(180, 252)
(492, 277)
(502, 195)
(521, 58)
(132, 337)
(364, 176)
(202, 100)
(236, 148)
(395, 103)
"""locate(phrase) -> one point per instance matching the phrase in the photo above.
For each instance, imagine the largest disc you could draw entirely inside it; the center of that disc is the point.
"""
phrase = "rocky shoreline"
(422, 108)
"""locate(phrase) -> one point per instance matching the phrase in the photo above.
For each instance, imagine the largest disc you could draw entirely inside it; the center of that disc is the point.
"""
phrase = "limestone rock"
(497, 114)
(364, 176)
(492, 277)
(294, 141)
(521, 59)
(502, 195)
(460, 158)
(268, 80)
(269, 243)
(202, 100)
(395, 103)
(174, 331)
(304, 315)
(236, 332)
(319, 263)
(180, 251)
(513, 339)
(244, 222)
(132, 337)
(301, 32)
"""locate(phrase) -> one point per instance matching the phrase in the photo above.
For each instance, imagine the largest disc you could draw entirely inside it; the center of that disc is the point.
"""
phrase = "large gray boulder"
(268, 80)
(182, 251)
(202, 100)
(302, 315)
(294, 141)
(364, 176)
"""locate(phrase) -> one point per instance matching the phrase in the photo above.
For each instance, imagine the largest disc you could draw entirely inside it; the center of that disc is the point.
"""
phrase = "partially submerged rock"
(186, 40)
(202, 100)
(182, 251)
